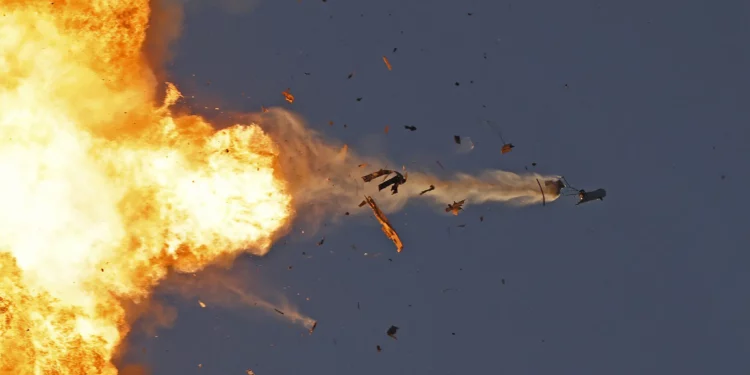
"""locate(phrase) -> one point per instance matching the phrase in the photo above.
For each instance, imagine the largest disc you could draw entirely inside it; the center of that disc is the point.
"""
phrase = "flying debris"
(507, 147)
(315, 324)
(288, 96)
(551, 186)
(412, 128)
(584, 196)
(431, 188)
(455, 207)
(394, 181)
(457, 139)
(279, 311)
(554, 186)
(386, 226)
(392, 332)
(376, 174)
(387, 63)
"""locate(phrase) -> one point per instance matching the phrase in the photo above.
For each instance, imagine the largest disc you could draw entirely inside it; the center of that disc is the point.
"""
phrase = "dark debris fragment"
(394, 182)
(408, 127)
(376, 174)
(392, 332)
(431, 188)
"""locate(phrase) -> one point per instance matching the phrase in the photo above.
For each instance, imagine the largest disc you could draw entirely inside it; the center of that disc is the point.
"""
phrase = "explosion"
(103, 192)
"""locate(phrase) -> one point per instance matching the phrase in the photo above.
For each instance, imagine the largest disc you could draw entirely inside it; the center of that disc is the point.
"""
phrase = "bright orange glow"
(102, 190)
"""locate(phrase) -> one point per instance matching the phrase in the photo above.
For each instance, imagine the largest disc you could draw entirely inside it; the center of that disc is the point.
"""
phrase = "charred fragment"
(279, 311)
(455, 207)
(376, 174)
(457, 139)
(431, 188)
(395, 181)
(315, 324)
(412, 128)
(392, 332)
(386, 226)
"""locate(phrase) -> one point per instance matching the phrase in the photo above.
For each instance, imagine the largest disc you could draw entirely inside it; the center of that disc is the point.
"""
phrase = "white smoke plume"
(326, 178)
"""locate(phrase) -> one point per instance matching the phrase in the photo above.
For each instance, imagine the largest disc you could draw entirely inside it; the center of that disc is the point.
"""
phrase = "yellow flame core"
(103, 192)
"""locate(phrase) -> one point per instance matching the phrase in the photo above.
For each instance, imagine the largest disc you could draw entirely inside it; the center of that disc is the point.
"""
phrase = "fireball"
(103, 191)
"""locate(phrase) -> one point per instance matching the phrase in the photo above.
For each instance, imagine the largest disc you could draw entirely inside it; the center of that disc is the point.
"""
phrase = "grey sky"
(650, 281)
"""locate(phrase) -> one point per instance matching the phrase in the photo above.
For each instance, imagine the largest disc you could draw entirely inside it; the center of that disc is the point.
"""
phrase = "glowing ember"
(102, 192)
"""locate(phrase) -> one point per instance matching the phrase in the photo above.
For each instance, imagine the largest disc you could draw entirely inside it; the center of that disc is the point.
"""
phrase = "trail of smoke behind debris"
(324, 180)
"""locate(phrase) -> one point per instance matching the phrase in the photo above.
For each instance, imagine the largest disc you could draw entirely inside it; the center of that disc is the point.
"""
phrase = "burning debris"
(431, 188)
(506, 148)
(392, 332)
(312, 329)
(288, 96)
(387, 63)
(455, 207)
(386, 226)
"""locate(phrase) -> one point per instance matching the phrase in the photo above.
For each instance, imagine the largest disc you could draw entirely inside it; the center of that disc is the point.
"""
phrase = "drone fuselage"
(584, 196)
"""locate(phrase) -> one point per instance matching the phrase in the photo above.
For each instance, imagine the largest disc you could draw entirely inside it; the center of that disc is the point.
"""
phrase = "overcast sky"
(648, 100)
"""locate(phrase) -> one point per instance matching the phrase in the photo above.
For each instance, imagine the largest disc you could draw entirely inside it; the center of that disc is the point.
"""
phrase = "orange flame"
(102, 192)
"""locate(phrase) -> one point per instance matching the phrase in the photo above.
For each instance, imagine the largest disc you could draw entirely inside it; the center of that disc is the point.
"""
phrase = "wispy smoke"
(218, 287)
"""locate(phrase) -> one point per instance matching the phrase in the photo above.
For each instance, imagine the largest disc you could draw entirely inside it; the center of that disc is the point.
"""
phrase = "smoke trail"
(326, 178)
(217, 287)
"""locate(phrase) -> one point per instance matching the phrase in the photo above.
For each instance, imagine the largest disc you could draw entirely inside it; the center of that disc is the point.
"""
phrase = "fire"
(102, 191)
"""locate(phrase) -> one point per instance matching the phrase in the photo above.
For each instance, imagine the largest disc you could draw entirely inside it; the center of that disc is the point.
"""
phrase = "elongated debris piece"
(387, 228)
